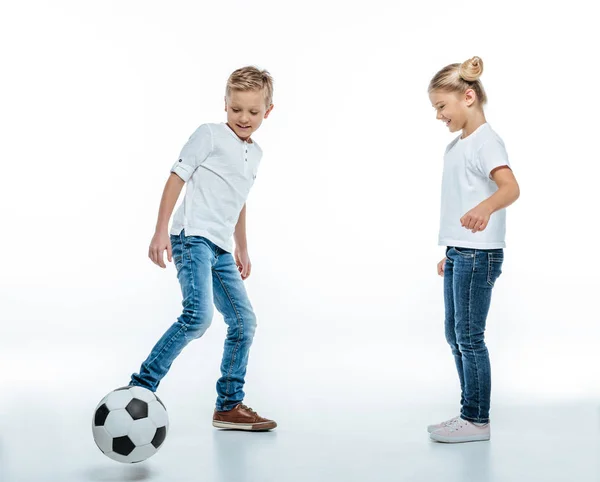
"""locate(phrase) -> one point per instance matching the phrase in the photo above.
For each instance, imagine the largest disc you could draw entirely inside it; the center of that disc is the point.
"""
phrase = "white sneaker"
(433, 428)
(459, 431)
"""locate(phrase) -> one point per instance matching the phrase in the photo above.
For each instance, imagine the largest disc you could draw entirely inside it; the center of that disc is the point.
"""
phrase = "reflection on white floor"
(45, 439)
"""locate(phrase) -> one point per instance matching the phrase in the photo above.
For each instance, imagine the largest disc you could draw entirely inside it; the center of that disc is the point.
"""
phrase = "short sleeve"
(194, 152)
(491, 156)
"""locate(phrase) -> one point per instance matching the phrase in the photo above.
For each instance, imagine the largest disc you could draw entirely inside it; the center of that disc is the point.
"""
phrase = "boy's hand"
(477, 218)
(441, 265)
(160, 242)
(242, 260)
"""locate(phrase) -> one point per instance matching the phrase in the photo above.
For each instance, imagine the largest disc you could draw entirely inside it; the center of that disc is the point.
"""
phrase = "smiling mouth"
(447, 122)
(243, 127)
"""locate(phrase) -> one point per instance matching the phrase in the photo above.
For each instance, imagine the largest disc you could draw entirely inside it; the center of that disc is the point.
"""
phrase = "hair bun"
(470, 70)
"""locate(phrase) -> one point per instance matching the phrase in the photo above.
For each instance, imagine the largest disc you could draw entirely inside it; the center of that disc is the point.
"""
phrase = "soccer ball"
(130, 424)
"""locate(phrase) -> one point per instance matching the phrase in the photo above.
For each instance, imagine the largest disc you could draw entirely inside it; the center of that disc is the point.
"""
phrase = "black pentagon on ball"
(159, 437)
(123, 445)
(101, 414)
(137, 409)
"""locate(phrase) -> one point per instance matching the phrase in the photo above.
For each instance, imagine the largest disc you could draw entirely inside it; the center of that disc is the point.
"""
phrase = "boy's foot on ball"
(242, 417)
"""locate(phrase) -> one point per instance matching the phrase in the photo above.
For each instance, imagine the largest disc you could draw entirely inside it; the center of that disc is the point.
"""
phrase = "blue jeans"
(206, 273)
(469, 276)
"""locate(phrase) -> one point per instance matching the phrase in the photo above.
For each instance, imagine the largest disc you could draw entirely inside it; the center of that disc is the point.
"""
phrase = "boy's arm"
(239, 234)
(241, 245)
(508, 192)
(160, 241)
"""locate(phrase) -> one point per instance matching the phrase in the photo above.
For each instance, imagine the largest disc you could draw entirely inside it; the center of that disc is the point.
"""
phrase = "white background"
(99, 97)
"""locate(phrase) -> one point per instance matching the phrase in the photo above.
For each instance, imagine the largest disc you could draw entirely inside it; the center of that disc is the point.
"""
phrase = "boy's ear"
(269, 110)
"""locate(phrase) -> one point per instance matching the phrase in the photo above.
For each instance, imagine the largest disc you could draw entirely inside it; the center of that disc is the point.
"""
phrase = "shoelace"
(448, 422)
(246, 407)
(454, 424)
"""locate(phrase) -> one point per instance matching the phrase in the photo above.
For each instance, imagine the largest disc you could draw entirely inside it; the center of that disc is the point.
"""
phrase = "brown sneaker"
(242, 418)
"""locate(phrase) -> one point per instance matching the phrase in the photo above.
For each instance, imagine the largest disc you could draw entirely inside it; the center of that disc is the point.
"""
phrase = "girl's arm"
(508, 192)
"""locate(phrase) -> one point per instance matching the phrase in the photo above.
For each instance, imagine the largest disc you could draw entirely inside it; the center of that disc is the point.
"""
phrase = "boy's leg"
(474, 275)
(232, 302)
(193, 257)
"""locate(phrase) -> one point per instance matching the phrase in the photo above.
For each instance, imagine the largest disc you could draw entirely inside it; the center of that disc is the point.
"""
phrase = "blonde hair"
(251, 78)
(460, 77)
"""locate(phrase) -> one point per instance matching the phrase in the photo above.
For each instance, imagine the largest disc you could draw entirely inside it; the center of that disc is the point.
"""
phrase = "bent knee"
(196, 322)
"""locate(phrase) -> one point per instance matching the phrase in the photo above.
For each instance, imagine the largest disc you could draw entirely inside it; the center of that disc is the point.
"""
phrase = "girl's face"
(452, 108)
(246, 111)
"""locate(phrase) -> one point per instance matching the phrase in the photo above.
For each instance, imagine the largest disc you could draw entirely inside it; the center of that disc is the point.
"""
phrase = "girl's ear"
(470, 97)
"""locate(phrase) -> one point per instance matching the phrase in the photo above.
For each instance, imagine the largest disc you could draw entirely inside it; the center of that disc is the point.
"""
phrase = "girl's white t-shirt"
(466, 182)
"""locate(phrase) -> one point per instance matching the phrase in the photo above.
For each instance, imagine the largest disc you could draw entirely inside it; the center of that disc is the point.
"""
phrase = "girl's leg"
(450, 325)
(475, 273)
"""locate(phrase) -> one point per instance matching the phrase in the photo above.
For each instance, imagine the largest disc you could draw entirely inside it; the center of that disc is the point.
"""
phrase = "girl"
(477, 185)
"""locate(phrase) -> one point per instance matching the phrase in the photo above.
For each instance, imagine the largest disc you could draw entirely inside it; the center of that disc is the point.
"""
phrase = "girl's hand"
(242, 260)
(477, 218)
(156, 252)
(441, 265)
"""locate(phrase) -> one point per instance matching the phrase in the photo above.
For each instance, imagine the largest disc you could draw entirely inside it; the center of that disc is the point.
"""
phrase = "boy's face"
(246, 111)
(452, 108)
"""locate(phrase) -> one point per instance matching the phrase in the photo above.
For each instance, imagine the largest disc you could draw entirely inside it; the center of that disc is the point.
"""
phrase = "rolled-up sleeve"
(194, 152)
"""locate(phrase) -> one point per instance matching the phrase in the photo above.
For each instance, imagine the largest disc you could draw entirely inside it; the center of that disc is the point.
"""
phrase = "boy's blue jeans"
(207, 274)
(469, 276)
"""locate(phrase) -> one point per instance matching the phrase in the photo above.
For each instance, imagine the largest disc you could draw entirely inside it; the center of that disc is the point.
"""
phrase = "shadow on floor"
(120, 473)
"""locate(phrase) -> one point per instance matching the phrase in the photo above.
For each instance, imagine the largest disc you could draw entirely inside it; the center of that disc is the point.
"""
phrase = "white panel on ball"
(142, 394)
(118, 399)
(120, 458)
(158, 414)
(118, 423)
(102, 401)
(141, 453)
(103, 439)
(142, 432)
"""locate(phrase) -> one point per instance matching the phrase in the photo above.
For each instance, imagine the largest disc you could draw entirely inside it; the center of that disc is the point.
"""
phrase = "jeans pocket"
(177, 261)
(177, 252)
(190, 241)
(494, 269)
(466, 252)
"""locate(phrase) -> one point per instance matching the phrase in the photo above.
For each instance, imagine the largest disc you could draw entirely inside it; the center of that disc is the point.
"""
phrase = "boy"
(219, 162)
